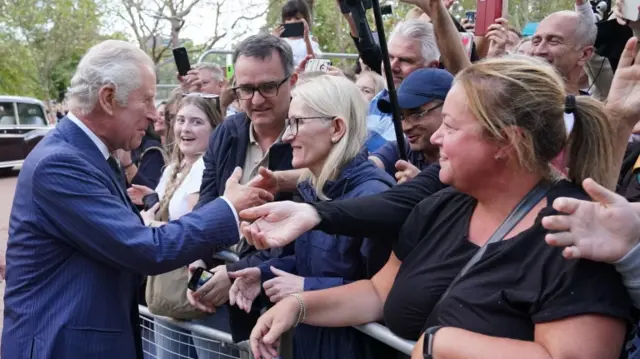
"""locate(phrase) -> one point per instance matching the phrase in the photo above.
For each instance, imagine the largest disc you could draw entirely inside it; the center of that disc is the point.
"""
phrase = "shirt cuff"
(233, 210)
(629, 265)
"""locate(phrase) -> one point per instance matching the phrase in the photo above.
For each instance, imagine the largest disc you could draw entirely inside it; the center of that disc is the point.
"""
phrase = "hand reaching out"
(406, 171)
(278, 224)
(246, 288)
(137, 192)
(604, 230)
(283, 285)
(242, 196)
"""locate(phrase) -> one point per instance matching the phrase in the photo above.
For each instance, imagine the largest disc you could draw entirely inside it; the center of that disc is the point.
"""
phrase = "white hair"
(421, 31)
(111, 62)
(216, 71)
(335, 96)
(586, 31)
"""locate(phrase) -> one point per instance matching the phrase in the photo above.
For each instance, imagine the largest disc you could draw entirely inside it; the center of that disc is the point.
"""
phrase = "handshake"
(259, 190)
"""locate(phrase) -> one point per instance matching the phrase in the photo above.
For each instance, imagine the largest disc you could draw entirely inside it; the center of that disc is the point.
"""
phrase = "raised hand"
(278, 224)
(624, 95)
(266, 179)
(243, 197)
(265, 336)
(406, 171)
(498, 36)
(604, 231)
(283, 285)
(136, 192)
(245, 289)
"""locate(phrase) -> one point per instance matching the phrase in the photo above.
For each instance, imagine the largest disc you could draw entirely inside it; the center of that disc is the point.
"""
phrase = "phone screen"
(471, 16)
(314, 65)
(293, 29)
(200, 277)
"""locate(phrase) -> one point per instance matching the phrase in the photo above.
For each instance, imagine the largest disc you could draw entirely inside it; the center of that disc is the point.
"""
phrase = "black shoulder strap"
(517, 214)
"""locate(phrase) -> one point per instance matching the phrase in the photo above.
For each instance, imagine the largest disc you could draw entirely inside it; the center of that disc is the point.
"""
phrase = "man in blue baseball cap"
(420, 98)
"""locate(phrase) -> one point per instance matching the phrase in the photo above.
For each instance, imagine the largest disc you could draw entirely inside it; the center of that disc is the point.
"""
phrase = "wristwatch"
(427, 346)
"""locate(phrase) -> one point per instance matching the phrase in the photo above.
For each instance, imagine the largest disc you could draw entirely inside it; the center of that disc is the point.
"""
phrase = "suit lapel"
(87, 149)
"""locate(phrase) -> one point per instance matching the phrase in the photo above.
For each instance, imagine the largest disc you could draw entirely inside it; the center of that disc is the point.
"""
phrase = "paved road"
(7, 187)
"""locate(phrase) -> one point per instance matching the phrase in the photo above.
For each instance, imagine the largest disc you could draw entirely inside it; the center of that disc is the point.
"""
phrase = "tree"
(45, 32)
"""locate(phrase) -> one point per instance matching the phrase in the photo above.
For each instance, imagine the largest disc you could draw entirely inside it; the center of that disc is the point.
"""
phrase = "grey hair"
(262, 46)
(335, 96)
(216, 71)
(111, 62)
(586, 31)
(421, 31)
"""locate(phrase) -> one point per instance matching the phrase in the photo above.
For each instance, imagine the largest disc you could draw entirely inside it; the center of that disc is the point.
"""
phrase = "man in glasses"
(420, 98)
(264, 78)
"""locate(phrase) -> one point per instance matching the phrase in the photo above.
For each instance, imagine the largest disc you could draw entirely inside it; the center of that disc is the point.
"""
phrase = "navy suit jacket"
(76, 253)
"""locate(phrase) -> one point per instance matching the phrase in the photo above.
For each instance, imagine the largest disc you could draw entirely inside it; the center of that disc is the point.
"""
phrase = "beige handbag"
(166, 294)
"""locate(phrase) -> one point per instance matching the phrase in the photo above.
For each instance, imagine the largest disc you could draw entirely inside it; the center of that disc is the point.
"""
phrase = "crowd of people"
(510, 229)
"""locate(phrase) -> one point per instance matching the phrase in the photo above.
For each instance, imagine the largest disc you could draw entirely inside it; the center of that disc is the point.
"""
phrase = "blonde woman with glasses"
(326, 128)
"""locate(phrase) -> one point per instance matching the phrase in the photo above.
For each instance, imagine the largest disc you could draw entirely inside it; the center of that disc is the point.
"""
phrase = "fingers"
(628, 54)
(154, 209)
(247, 272)
(560, 239)
(566, 205)
(557, 223)
(601, 194)
(235, 176)
(275, 332)
(254, 213)
(402, 165)
(233, 293)
(278, 272)
(571, 253)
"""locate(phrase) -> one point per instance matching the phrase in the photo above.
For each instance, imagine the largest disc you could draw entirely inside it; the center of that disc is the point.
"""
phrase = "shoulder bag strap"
(517, 214)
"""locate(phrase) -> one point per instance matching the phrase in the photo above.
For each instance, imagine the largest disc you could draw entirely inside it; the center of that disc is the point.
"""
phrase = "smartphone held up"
(199, 278)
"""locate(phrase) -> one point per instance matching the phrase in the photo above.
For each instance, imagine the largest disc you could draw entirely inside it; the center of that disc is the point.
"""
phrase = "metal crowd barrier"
(210, 343)
(324, 55)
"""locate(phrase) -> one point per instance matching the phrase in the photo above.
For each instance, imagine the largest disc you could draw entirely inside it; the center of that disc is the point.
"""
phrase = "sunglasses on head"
(205, 95)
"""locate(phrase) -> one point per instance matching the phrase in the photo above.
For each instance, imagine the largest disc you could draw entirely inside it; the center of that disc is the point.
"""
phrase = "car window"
(7, 115)
(31, 115)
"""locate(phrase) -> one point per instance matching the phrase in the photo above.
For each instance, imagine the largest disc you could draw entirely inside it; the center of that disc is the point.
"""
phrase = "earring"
(333, 140)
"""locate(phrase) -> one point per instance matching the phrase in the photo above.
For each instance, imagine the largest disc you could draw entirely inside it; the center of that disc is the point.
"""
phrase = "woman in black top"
(502, 127)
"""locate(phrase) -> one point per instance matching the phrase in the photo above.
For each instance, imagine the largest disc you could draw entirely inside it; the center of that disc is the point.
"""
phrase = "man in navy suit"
(77, 247)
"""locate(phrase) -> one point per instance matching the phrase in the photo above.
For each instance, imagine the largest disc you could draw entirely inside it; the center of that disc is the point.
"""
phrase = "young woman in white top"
(298, 11)
(178, 190)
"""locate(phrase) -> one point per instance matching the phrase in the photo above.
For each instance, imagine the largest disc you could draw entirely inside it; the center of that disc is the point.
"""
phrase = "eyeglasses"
(268, 90)
(204, 95)
(293, 123)
(417, 116)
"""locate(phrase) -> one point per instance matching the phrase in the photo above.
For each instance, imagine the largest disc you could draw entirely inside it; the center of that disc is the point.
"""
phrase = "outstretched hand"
(277, 224)
(604, 230)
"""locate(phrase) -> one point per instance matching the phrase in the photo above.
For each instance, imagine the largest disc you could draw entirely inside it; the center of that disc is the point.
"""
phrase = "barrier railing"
(324, 55)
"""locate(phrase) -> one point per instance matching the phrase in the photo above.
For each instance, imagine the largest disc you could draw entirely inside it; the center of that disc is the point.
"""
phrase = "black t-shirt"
(517, 283)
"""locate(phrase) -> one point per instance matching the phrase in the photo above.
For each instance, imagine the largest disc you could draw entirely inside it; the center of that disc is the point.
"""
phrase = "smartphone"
(293, 29)
(150, 200)
(200, 276)
(182, 60)
(471, 16)
(314, 65)
(487, 13)
(229, 72)
(630, 10)
(467, 42)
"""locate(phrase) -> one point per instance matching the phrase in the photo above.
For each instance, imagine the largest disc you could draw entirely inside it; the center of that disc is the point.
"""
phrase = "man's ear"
(585, 55)
(107, 99)
(293, 79)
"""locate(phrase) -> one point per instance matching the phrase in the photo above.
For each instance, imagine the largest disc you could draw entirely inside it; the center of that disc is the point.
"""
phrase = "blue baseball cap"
(420, 87)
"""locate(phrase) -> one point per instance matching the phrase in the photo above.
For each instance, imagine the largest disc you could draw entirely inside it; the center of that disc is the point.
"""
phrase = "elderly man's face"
(129, 123)
(208, 84)
(555, 41)
(405, 57)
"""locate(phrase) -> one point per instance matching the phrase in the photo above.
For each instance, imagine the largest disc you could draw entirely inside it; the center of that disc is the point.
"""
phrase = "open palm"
(605, 230)
(277, 224)
(245, 289)
(624, 95)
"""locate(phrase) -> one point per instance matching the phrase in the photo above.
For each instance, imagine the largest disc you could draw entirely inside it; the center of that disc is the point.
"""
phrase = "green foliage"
(43, 42)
